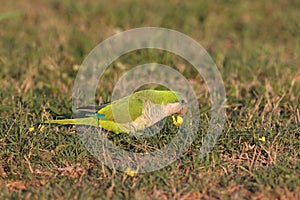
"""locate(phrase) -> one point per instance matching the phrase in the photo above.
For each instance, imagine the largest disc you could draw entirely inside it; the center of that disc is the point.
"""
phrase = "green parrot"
(134, 112)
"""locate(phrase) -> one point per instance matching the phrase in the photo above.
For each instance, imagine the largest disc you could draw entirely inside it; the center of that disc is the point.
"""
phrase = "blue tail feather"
(97, 115)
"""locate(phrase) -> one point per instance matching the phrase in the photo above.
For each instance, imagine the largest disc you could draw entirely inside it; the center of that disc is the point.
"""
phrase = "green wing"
(116, 111)
(135, 104)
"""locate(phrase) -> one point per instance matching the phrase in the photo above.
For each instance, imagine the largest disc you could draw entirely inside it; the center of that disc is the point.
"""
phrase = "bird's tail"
(62, 121)
(92, 121)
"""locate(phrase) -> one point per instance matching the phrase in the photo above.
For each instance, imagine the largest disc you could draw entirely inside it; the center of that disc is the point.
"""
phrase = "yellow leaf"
(42, 128)
(177, 120)
(130, 172)
(263, 139)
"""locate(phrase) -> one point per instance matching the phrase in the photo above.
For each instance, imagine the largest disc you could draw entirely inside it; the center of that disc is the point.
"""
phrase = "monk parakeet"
(134, 112)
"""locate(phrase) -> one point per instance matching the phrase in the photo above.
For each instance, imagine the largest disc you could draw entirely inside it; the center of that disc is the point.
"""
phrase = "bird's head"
(179, 107)
(183, 106)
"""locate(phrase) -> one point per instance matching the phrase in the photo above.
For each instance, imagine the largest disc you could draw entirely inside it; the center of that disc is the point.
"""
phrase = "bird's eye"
(182, 101)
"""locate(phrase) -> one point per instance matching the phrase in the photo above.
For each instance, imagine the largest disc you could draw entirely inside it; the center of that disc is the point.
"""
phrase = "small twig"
(28, 162)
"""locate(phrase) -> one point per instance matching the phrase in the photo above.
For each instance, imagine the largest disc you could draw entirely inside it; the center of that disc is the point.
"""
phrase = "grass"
(255, 46)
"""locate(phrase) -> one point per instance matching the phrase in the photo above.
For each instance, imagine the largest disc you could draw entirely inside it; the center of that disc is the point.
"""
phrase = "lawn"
(255, 45)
